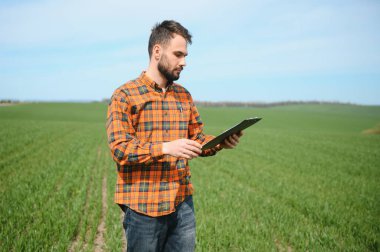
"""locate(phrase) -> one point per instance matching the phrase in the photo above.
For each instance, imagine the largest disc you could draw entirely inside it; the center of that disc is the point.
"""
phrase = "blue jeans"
(173, 232)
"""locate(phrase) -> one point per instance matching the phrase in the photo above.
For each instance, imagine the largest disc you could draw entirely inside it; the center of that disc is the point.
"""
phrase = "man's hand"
(231, 141)
(182, 148)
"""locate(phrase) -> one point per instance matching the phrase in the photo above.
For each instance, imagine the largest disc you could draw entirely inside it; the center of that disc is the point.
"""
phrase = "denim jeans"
(173, 232)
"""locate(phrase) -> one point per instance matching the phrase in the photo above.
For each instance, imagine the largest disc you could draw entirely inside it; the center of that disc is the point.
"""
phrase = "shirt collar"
(145, 79)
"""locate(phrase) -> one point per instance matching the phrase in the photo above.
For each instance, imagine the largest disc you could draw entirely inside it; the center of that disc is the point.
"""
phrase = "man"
(153, 130)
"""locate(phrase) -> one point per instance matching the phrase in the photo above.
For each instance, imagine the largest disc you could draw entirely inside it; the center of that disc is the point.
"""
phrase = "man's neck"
(157, 77)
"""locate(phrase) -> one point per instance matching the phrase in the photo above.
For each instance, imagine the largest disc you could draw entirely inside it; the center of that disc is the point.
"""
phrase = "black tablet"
(241, 126)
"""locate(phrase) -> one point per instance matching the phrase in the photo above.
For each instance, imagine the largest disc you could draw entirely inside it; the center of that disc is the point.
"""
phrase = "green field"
(306, 178)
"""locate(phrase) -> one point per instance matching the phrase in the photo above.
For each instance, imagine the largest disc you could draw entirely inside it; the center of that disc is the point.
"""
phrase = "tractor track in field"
(99, 240)
(124, 240)
(282, 247)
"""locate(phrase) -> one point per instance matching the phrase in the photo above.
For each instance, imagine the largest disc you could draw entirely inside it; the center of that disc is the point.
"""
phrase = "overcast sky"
(242, 50)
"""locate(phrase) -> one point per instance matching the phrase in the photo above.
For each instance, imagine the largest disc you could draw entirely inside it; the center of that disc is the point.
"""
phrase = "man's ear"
(157, 51)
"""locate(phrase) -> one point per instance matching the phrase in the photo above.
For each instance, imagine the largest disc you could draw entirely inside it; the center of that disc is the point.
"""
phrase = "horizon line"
(200, 102)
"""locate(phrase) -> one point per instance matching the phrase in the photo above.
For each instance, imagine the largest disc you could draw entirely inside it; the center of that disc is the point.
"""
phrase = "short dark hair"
(163, 32)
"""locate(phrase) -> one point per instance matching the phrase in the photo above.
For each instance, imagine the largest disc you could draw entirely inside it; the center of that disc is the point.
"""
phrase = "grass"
(50, 173)
(304, 178)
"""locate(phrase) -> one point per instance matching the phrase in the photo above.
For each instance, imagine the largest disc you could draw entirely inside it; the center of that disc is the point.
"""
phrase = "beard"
(164, 69)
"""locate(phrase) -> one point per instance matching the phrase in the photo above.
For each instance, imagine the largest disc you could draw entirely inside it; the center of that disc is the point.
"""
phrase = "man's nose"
(182, 62)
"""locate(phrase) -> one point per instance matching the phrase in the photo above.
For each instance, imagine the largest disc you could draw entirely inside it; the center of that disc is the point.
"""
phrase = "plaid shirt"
(141, 117)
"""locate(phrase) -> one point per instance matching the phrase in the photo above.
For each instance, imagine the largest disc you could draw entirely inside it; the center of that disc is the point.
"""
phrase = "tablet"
(241, 126)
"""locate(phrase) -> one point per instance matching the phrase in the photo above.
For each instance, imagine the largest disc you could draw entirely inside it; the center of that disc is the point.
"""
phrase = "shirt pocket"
(142, 120)
(182, 117)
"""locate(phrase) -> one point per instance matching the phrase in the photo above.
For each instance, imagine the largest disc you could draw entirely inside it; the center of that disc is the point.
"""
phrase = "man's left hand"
(231, 141)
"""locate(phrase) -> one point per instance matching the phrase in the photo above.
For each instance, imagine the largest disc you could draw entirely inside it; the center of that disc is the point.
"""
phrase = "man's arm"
(125, 147)
(196, 132)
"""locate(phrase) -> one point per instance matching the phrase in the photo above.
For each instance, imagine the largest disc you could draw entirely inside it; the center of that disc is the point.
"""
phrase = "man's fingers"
(228, 143)
(183, 155)
(232, 140)
(193, 146)
(194, 149)
(193, 143)
(190, 149)
(235, 138)
(190, 153)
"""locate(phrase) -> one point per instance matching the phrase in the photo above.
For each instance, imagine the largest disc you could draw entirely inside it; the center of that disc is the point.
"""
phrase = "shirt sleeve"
(196, 132)
(126, 149)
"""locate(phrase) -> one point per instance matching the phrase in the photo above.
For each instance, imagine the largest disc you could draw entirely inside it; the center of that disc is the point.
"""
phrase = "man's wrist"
(165, 148)
(156, 150)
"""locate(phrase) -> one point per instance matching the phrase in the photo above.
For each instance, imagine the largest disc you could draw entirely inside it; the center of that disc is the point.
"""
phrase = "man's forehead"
(178, 43)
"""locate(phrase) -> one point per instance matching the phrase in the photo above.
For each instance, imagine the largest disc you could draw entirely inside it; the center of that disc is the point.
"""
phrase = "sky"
(248, 51)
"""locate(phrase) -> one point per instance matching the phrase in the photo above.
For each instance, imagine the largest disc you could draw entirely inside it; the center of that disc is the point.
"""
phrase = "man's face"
(172, 60)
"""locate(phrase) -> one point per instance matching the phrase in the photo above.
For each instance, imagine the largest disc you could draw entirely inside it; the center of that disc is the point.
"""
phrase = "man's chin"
(175, 77)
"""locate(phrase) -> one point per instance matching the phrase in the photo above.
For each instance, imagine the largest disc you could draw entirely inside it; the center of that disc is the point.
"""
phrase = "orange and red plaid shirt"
(140, 118)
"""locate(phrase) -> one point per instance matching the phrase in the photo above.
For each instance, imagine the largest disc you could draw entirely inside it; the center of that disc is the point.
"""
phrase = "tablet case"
(241, 126)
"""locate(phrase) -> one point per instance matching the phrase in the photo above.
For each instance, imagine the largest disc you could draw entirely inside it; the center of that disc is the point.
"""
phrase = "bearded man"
(153, 129)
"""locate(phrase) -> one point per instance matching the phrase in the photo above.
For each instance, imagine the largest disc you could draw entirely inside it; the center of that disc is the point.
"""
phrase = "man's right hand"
(182, 148)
